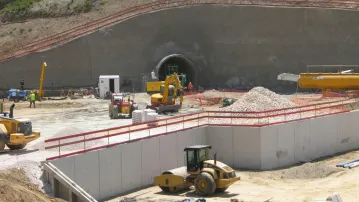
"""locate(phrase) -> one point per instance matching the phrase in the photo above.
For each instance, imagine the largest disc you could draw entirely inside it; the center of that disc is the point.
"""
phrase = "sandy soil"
(307, 182)
(15, 186)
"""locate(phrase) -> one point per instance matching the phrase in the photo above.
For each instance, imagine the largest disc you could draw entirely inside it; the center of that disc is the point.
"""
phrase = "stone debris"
(259, 99)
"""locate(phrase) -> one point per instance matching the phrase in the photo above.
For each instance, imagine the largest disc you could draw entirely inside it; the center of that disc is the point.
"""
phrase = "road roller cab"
(207, 176)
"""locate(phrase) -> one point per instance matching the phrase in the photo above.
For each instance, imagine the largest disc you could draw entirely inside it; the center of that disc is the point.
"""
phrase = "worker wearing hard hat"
(32, 99)
(190, 86)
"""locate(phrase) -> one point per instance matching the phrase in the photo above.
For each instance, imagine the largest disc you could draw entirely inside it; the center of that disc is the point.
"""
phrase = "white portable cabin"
(109, 83)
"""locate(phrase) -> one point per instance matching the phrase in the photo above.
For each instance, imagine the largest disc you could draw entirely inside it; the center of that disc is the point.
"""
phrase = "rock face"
(246, 51)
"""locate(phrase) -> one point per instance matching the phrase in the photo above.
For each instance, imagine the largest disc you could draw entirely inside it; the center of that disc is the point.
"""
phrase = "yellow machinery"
(207, 176)
(325, 81)
(15, 133)
(154, 87)
(165, 101)
(40, 93)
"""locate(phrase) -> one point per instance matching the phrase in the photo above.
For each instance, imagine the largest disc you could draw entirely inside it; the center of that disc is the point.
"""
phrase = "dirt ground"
(309, 182)
(68, 117)
(15, 186)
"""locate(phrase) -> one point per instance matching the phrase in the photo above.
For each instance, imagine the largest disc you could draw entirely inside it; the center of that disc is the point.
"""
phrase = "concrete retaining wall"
(123, 168)
(109, 172)
(301, 141)
(251, 48)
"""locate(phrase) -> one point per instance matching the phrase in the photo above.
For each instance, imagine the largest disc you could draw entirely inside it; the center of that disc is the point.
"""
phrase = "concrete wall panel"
(353, 129)
(302, 149)
(269, 145)
(199, 137)
(131, 166)
(87, 172)
(246, 147)
(323, 133)
(110, 171)
(168, 152)
(221, 139)
(285, 147)
(345, 132)
(184, 139)
(150, 160)
(66, 165)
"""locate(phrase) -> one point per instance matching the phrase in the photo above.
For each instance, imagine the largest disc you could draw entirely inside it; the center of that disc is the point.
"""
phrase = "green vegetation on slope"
(16, 5)
(12, 10)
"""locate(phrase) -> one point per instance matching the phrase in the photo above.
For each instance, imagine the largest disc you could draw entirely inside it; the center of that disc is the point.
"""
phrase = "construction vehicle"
(153, 87)
(15, 133)
(119, 107)
(165, 101)
(207, 176)
(344, 80)
(228, 102)
(16, 95)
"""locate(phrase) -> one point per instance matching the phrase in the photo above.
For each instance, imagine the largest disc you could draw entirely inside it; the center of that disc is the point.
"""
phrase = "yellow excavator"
(207, 176)
(15, 133)
(165, 101)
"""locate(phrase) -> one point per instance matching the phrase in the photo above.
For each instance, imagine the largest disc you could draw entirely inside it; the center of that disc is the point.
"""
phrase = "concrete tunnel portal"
(177, 63)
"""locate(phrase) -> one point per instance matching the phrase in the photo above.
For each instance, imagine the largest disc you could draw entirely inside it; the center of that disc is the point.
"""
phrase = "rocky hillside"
(24, 21)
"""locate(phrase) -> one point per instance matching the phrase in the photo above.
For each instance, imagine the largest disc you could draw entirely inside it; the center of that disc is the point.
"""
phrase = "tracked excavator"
(207, 176)
(15, 133)
(165, 101)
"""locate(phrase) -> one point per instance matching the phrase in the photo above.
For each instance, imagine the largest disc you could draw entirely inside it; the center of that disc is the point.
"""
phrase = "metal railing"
(100, 139)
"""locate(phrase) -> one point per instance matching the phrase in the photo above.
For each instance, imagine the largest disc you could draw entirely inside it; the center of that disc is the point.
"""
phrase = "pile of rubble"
(259, 99)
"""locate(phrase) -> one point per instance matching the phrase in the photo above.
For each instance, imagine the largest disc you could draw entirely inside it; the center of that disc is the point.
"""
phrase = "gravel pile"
(259, 99)
(309, 171)
(79, 146)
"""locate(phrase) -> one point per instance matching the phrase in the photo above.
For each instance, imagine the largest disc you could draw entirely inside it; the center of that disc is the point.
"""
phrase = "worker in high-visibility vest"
(190, 86)
(32, 99)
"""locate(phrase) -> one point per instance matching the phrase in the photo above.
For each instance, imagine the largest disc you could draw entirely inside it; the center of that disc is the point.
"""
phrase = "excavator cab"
(195, 156)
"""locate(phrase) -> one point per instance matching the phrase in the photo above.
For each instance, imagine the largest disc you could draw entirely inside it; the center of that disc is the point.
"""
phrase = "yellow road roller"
(15, 133)
(207, 176)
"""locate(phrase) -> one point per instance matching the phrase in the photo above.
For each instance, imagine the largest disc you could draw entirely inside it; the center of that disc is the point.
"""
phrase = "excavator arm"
(172, 79)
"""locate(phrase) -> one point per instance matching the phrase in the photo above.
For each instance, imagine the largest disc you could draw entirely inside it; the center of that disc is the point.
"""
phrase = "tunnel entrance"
(177, 64)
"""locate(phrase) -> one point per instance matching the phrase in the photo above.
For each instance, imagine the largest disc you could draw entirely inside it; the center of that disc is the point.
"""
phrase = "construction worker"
(32, 99)
(22, 83)
(190, 86)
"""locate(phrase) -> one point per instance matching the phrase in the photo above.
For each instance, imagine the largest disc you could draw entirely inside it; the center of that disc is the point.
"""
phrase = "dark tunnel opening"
(178, 64)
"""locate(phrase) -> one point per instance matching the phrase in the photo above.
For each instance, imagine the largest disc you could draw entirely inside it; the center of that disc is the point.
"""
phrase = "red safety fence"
(100, 139)
(87, 28)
